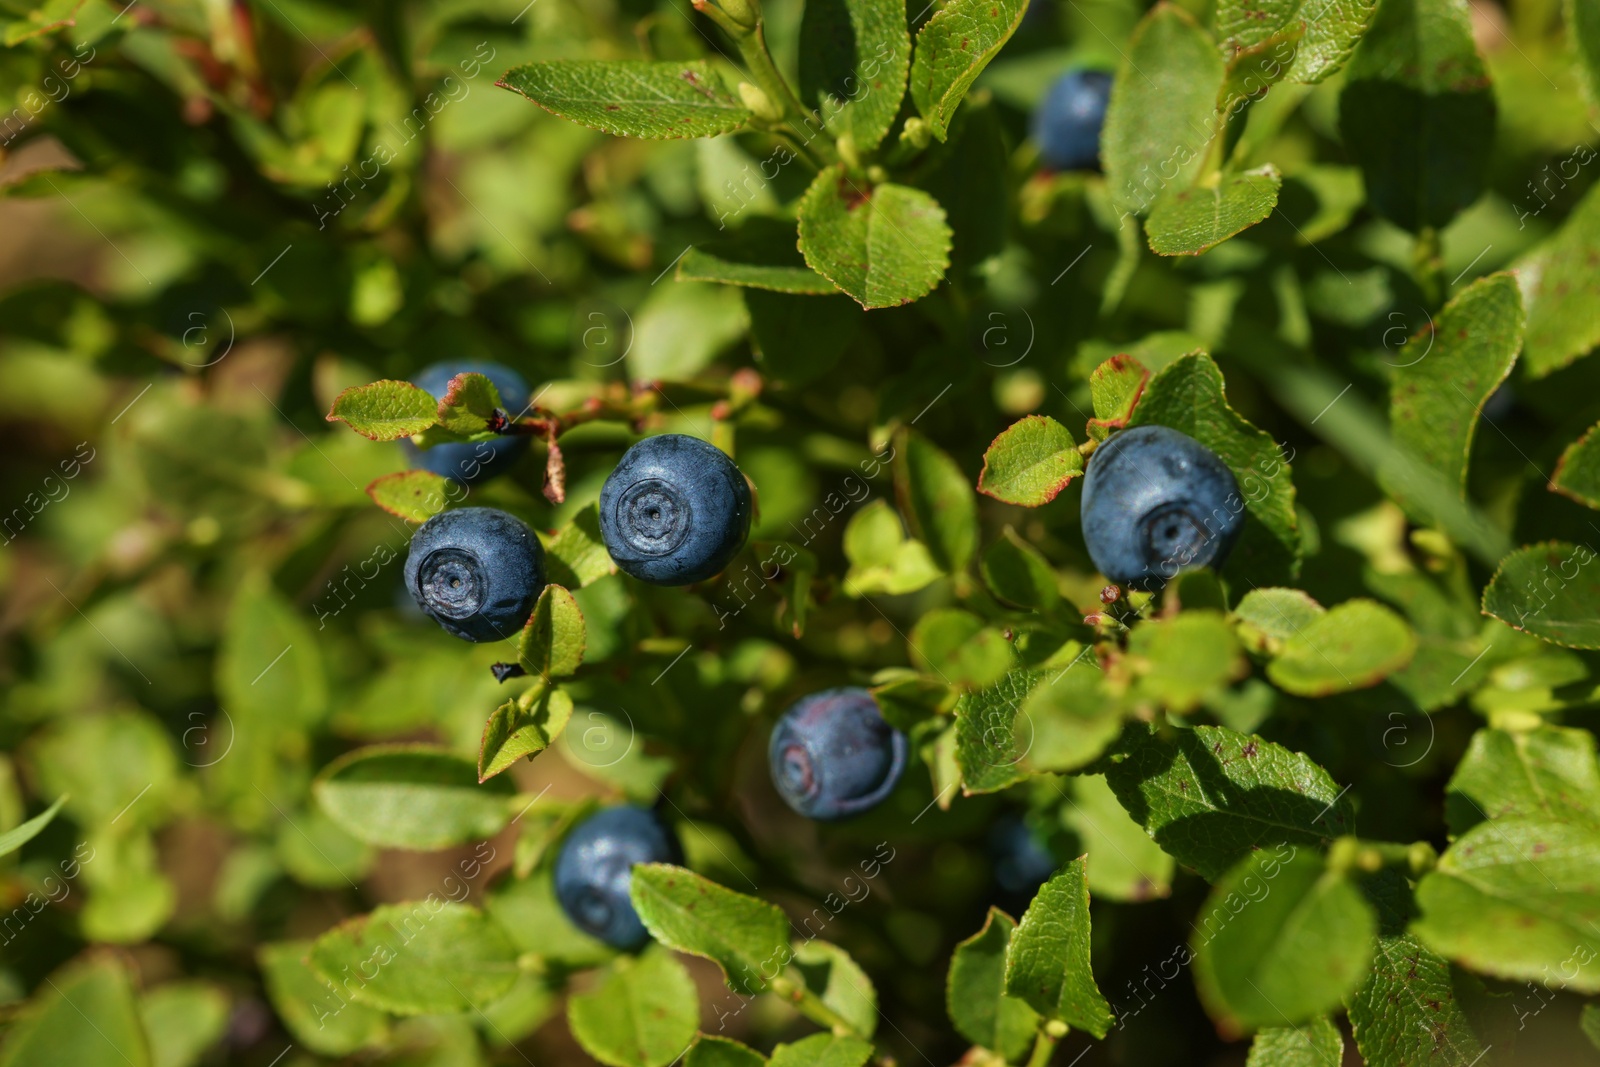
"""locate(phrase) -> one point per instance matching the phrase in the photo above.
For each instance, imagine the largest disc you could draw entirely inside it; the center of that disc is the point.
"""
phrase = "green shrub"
(1341, 790)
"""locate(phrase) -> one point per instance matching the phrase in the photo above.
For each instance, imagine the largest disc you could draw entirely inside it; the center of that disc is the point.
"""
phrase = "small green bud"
(759, 103)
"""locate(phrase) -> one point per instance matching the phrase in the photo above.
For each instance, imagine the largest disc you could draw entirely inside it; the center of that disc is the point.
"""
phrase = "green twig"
(1044, 1046)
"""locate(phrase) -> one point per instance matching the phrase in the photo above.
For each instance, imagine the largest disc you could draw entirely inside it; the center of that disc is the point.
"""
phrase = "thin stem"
(1044, 1046)
(753, 47)
(811, 1006)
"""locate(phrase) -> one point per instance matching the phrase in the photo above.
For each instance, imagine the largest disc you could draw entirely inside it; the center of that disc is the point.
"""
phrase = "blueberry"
(832, 755)
(1066, 127)
(476, 571)
(1022, 860)
(596, 864)
(674, 511)
(475, 461)
(1156, 501)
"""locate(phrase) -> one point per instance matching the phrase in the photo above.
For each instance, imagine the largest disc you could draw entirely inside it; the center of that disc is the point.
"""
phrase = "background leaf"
(952, 49)
(975, 991)
(1162, 111)
(1281, 940)
(1047, 963)
(1201, 217)
(746, 937)
(1353, 645)
(1031, 461)
(642, 1012)
(632, 98)
(429, 956)
(1414, 111)
(412, 796)
(1209, 795)
(883, 244)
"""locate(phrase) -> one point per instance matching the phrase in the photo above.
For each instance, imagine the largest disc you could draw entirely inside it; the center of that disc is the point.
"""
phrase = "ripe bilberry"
(1156, 501)
(1066, 126)
(476, 571)
(674, 511)
(595, 867)
(832, 754)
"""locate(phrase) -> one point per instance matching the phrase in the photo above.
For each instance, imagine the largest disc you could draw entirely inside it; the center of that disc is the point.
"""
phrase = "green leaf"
(385, 410)
(885, 245)
(18, 836)
(882, 559)
(1577, 473)
(467, 403)
(270, 672)
(1547, 772)
(412, 796)
(1031, 461)
(1201, 217)
(1162, 113)
(1317, 1043)
(1353, 645)
(528, 911)
(553, 641)
(415, 495)
(1210, 795)
(1437, 398)
(1182, 660)
(1546, 590)
(317, 1014)
(840, 983)
(1254, 68)
(798, 340)
(1332, 30)
(1583, 25)
(1589, 1023)
(424, 957)
(1266, 618)
(734, 266)
(642, 1012)
(1047, 963)
(1515, 898)
(632, 98)
(1115, 388)
(952, 49)
(748, 938)
(50, 1027)
(522, 727)
(1018, 573)
(975, 991)
(682, 328)
(1560, 287)
(1124, 864)
(988, 749)
(823, 1050)
(576, 556)
(937, 498)
(1416, 111)
(712, 1051)
(957, 646)
(854, 55)
(1067, 722)
(106, 762)
(1187, 395)
(1280, 941)
(182, 1020)
(1408, 1011)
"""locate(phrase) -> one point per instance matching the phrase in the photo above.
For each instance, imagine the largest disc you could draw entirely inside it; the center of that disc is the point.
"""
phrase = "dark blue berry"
(1155, 502)
(1066, 127)
(596, 864)
(476, 571)
(1022, 860)
(832, 754)
(674, 511)
(469, 462)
